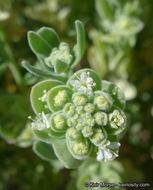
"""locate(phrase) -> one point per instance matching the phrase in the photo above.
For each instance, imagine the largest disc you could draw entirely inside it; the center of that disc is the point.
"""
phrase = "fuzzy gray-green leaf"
(50, 36)
(38, 45)
(44, 151)
(80, 46)
(65, 156)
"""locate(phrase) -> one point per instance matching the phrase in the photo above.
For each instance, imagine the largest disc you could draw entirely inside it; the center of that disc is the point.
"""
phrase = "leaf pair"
(43, 41)
(42, 44)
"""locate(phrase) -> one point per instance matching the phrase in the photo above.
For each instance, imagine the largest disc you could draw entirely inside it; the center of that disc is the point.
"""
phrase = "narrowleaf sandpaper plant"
(79, 114)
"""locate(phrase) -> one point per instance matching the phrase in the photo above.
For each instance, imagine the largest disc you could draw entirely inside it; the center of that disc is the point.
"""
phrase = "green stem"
(42, 73)
(14, 68)
(16, 73)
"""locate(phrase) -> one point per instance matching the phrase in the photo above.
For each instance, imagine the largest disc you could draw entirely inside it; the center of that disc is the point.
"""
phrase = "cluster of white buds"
(62, 53)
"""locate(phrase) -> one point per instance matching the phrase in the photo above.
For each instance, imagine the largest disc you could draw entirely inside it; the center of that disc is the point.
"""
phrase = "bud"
(60, 98)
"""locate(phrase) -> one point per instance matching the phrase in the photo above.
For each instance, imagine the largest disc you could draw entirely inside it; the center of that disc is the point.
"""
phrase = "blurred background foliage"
(119, 46)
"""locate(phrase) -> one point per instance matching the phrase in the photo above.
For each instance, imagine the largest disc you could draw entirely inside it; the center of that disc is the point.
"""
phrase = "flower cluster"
(60, 54)
(87, 113)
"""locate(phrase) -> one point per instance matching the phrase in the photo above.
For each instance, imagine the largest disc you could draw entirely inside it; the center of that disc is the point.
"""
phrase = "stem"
(14, 68)
(42, 73)
(16, 73)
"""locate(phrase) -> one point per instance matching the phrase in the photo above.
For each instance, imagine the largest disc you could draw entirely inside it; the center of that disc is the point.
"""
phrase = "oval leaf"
(44, 151)
(38, 45)
(50, 36)
(47, 135)
(79, 48)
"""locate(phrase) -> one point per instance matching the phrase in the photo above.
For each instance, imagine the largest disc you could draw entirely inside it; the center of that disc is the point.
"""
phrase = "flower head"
(84, 113)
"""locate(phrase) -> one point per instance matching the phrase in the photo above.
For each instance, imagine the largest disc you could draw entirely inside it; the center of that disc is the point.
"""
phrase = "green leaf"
(7, 58)
(38, 91)
(57, 166)
(79, 48)
(38, 45)
(41, 73)
(48, 136)
(50, 36)
(65, 156)
(44, 151)
(115, 92)
(60, 66)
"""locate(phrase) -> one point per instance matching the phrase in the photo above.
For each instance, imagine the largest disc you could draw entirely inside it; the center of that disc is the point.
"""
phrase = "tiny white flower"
(116, 119)
(75, 83)
(100, 155)
(41, 122)
(44, 97)
(105, 153)
(45, 120)
(84, 83)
